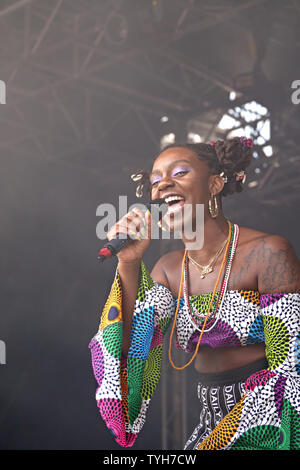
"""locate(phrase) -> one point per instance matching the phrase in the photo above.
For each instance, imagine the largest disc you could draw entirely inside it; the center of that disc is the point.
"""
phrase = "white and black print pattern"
(215, 403)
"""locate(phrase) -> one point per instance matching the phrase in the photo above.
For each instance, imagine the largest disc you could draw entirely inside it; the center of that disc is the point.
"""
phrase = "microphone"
(112, 247)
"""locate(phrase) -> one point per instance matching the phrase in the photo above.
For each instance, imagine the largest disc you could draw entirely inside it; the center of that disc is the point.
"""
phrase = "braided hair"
(229, 156)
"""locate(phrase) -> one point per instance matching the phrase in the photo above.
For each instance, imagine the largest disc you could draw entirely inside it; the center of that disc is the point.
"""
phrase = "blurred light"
(257, 108)
(167, 139)
(257, 170)
(227, 122)
(250, 112)
(260, 140)
(194, 137)
(235, 133)
(232, 95)
(164, 119)
(249, 116)
(268, 151)
(252, 184)
(266, 129)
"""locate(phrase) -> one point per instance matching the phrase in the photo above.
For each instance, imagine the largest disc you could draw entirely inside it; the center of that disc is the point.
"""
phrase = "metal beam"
(199, 70)
(225, 15)
(116, 87)
(99, 37)
(46, 27)
(16, 6)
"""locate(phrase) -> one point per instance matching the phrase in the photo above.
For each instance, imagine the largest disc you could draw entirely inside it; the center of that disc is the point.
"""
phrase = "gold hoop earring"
(213, 209)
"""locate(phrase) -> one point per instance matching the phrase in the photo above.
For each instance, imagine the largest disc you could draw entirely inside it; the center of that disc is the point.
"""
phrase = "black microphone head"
(159, 200)
(163, 206)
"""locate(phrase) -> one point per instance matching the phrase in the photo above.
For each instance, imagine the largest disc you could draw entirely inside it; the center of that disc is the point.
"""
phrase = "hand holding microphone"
(136, 226)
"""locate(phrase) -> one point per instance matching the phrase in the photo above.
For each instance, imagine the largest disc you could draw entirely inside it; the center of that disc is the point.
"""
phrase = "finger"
(148, 223)
(138, 212)
(127, 228)
(132, 222)
(132, 217)
(141, 216)
(138, 217)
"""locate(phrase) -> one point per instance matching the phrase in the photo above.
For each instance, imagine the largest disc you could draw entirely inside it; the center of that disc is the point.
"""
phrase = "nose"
(164, 183)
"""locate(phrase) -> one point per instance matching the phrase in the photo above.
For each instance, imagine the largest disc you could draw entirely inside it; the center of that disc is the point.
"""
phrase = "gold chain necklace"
(208, 268)
(229, 241)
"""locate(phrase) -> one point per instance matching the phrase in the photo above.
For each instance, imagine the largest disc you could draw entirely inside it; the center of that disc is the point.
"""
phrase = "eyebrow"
(155, 172)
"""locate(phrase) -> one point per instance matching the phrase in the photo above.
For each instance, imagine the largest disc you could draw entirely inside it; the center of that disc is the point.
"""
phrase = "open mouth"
(174, 203)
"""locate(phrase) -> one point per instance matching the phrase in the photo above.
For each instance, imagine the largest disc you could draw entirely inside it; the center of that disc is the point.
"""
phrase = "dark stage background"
(89, 85)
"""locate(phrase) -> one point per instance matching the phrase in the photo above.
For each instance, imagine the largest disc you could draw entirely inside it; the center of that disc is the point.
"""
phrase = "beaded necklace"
(216, 314)
(230, 249)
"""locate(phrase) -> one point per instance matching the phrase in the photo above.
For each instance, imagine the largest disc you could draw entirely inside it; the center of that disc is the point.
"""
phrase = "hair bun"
(234, 155)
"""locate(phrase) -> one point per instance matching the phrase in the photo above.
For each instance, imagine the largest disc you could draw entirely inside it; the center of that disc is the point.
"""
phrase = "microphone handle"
(112, 247)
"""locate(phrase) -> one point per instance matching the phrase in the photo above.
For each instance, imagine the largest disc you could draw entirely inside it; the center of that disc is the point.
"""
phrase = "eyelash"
(180, 172)
(174, 174)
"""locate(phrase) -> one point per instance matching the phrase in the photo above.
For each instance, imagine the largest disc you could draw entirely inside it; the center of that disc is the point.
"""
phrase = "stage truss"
(88, 77)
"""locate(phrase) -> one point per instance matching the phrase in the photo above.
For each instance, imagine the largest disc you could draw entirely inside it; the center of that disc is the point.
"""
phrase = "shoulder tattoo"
(278, 265)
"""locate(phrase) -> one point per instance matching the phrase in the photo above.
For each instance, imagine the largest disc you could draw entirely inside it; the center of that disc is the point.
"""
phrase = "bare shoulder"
(167, 264)
(249, 236)
(278, 267)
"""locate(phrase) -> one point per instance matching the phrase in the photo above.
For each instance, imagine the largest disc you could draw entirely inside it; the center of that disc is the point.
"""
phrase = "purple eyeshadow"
(156, 179)
(179, 169)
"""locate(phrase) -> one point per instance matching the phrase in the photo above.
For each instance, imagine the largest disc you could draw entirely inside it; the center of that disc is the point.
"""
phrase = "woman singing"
(234, 304)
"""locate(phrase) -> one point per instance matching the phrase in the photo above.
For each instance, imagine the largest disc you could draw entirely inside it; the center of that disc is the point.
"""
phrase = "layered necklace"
(209, 267)
(215, 315)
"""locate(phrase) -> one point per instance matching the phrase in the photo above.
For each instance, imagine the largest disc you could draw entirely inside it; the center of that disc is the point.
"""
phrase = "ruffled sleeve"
(268, 415)
(126, 385)
(277, 389)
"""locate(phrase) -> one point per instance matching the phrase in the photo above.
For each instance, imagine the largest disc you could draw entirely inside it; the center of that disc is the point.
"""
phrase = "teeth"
(173, 198)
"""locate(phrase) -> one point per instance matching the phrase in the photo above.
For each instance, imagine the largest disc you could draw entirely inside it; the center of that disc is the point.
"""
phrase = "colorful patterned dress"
(268, 414)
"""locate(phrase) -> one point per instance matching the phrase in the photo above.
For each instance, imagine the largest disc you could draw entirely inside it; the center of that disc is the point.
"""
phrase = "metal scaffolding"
(82, 76)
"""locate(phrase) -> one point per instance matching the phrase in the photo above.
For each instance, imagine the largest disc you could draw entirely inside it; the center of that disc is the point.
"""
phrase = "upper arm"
(279, 266)
(158, 273)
